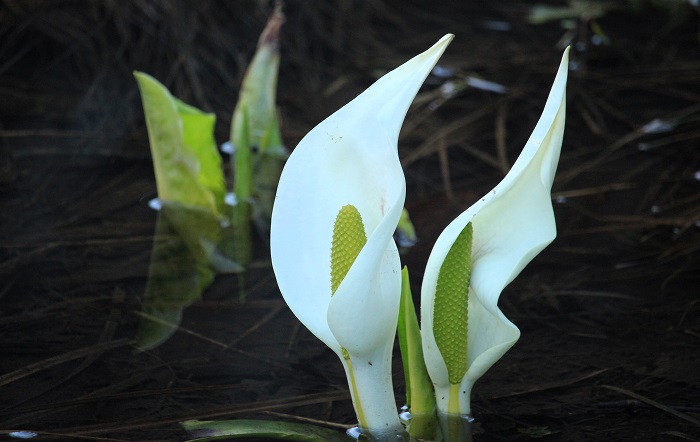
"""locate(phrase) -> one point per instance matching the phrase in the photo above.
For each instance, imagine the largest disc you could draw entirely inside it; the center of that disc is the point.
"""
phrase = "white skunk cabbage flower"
(464, 331)
(338, 203)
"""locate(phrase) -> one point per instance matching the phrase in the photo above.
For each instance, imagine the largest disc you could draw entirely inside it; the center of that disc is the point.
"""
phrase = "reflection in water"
(183, 262)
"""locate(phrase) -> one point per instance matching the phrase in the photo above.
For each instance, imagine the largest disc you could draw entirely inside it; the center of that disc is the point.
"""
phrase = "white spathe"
(512, 224)
(351, 158)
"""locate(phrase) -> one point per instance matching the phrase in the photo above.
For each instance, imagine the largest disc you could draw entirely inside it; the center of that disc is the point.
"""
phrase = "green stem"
(453, 401)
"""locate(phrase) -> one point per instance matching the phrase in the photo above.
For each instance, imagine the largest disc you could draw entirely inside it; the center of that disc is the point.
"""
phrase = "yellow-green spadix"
(351, 159)
(508, 227)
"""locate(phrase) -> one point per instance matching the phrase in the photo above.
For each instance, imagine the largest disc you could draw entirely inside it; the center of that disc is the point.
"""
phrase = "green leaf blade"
(420, 396)
(185, 160)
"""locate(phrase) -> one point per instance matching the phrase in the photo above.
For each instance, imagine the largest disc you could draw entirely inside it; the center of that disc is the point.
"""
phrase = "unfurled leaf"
(186, 161)
(420, 397)
(259, 154)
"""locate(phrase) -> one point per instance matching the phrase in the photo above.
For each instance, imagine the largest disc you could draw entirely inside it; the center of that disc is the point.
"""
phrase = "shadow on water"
(609, 316)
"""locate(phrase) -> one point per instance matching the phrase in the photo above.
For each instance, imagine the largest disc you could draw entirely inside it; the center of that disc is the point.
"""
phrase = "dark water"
(609, 313)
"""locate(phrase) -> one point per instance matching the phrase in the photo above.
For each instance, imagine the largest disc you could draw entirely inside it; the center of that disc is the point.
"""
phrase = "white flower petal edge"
(351, 158)
(512, 224)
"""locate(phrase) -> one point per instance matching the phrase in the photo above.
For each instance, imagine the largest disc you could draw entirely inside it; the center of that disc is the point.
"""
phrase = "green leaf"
(237, 242)
(420, 396)
(199, 138)
(268, 162)
(232, 429)
(243, 161)
(185, 158)
(259, 88)
(271, 143)
(259, 154)
(237, 237)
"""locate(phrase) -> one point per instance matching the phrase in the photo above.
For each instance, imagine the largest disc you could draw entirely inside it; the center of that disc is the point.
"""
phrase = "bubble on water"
(405, 414)
(357, 434)
(155, 204)
(354, 432)
(228, 148)
(230, 199)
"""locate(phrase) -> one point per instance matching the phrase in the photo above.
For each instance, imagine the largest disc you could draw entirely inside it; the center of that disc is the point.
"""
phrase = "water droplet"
(230, 199)
(655, 209)
(644, 147)
(354, 432)
(560, 199)
(696, 175)
(228, 148)
(155, 204)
